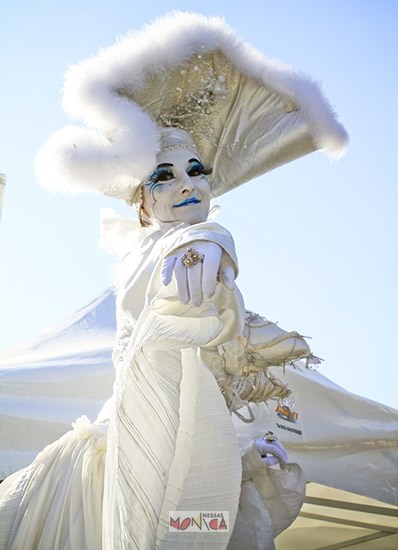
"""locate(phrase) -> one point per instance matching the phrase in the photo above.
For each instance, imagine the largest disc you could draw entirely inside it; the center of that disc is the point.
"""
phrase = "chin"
(195, 218)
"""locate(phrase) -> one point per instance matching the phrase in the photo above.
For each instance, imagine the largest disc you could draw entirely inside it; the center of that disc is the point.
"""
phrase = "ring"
(191, 257)
(270, 437)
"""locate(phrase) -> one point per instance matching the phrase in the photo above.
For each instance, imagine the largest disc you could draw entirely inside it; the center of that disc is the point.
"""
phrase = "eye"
(161, 176)
(197, 169)
(165, 176)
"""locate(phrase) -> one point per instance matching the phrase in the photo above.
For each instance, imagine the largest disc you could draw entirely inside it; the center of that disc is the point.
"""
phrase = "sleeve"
(279, 492)
(252, 463)
(206, 231)
(224, 312)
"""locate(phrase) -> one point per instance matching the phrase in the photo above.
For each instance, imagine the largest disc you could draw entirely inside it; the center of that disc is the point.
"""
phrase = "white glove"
(199, 281)
(273, 448)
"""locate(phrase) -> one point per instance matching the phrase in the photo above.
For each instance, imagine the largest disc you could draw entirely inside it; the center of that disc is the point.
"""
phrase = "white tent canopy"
(332, 519)
(339, 439)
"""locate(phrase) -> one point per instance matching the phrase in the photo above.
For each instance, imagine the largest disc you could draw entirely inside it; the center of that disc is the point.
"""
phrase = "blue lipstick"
(186, 202)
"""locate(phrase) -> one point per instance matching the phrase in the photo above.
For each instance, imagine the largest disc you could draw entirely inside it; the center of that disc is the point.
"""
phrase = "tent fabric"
(339, 439)
(332, 519)
(48, 382)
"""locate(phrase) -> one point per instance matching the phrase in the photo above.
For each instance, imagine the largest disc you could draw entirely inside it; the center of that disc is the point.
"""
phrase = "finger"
(194, 275)
(227, 272)
(269, 448)
(282, 456)
(166, 273)
(180, 272)
(270, 460)
(279, 451)
(227, 276)
(210, 267)
(278, 444)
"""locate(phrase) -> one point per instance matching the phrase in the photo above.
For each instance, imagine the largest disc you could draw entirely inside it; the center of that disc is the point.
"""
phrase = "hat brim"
(247, 114)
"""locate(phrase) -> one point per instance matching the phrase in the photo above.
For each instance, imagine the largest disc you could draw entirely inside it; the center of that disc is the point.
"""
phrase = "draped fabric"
(169, 415)
(56, 502)
(171, 443)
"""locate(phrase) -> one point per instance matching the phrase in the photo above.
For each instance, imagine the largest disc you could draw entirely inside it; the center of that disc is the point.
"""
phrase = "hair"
(142, 218)
(176, 138)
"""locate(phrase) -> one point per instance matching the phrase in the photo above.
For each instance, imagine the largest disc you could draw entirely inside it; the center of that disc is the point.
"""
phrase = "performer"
(180, 119)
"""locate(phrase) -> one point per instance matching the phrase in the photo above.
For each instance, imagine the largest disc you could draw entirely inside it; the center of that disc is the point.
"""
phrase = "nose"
(186, 185)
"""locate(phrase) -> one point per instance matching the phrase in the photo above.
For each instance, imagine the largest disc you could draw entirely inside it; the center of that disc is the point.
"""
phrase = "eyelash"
(196, 170)
(163, 176)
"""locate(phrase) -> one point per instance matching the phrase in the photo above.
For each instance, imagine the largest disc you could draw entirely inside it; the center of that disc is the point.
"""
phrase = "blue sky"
(317, 241)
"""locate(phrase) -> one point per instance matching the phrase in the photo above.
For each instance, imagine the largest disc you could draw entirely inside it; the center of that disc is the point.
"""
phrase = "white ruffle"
(57, 501)
(118, 235)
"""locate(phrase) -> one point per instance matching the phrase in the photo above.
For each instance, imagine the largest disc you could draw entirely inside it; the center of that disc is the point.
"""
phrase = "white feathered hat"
(246, 114)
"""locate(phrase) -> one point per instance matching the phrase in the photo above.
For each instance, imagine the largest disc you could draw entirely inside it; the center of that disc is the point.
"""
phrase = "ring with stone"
(191, 257)
(270, 437)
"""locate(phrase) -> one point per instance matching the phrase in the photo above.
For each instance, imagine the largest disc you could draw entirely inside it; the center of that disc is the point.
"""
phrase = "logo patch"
(199, 522)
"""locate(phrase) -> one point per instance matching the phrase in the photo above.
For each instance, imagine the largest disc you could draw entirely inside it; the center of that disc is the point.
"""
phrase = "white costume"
(171, 443)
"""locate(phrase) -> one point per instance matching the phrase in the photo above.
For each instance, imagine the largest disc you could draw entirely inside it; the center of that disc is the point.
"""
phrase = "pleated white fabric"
(171, 444)
(170, 418)
(57, 501)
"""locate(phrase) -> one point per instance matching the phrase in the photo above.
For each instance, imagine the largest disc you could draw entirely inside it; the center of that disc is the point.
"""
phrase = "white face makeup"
(177, 191)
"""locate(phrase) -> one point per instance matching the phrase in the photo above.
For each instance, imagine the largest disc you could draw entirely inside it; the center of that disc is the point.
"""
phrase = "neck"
(159, 225)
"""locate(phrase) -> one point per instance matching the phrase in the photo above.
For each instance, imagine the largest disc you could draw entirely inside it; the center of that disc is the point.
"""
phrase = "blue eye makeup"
(160, 176)
(196, 169)
(165, 172)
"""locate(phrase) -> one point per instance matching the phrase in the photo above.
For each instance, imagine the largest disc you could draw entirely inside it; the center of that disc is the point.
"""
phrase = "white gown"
(171, 443)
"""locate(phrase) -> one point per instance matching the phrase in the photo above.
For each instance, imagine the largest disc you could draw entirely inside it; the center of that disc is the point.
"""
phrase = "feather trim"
(122, 150)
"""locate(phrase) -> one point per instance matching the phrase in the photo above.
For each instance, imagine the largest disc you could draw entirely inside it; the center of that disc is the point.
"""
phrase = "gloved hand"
(198, 282)
(272, 452)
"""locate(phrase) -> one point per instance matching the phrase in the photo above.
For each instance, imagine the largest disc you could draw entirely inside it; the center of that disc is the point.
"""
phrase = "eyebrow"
(166, 164)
